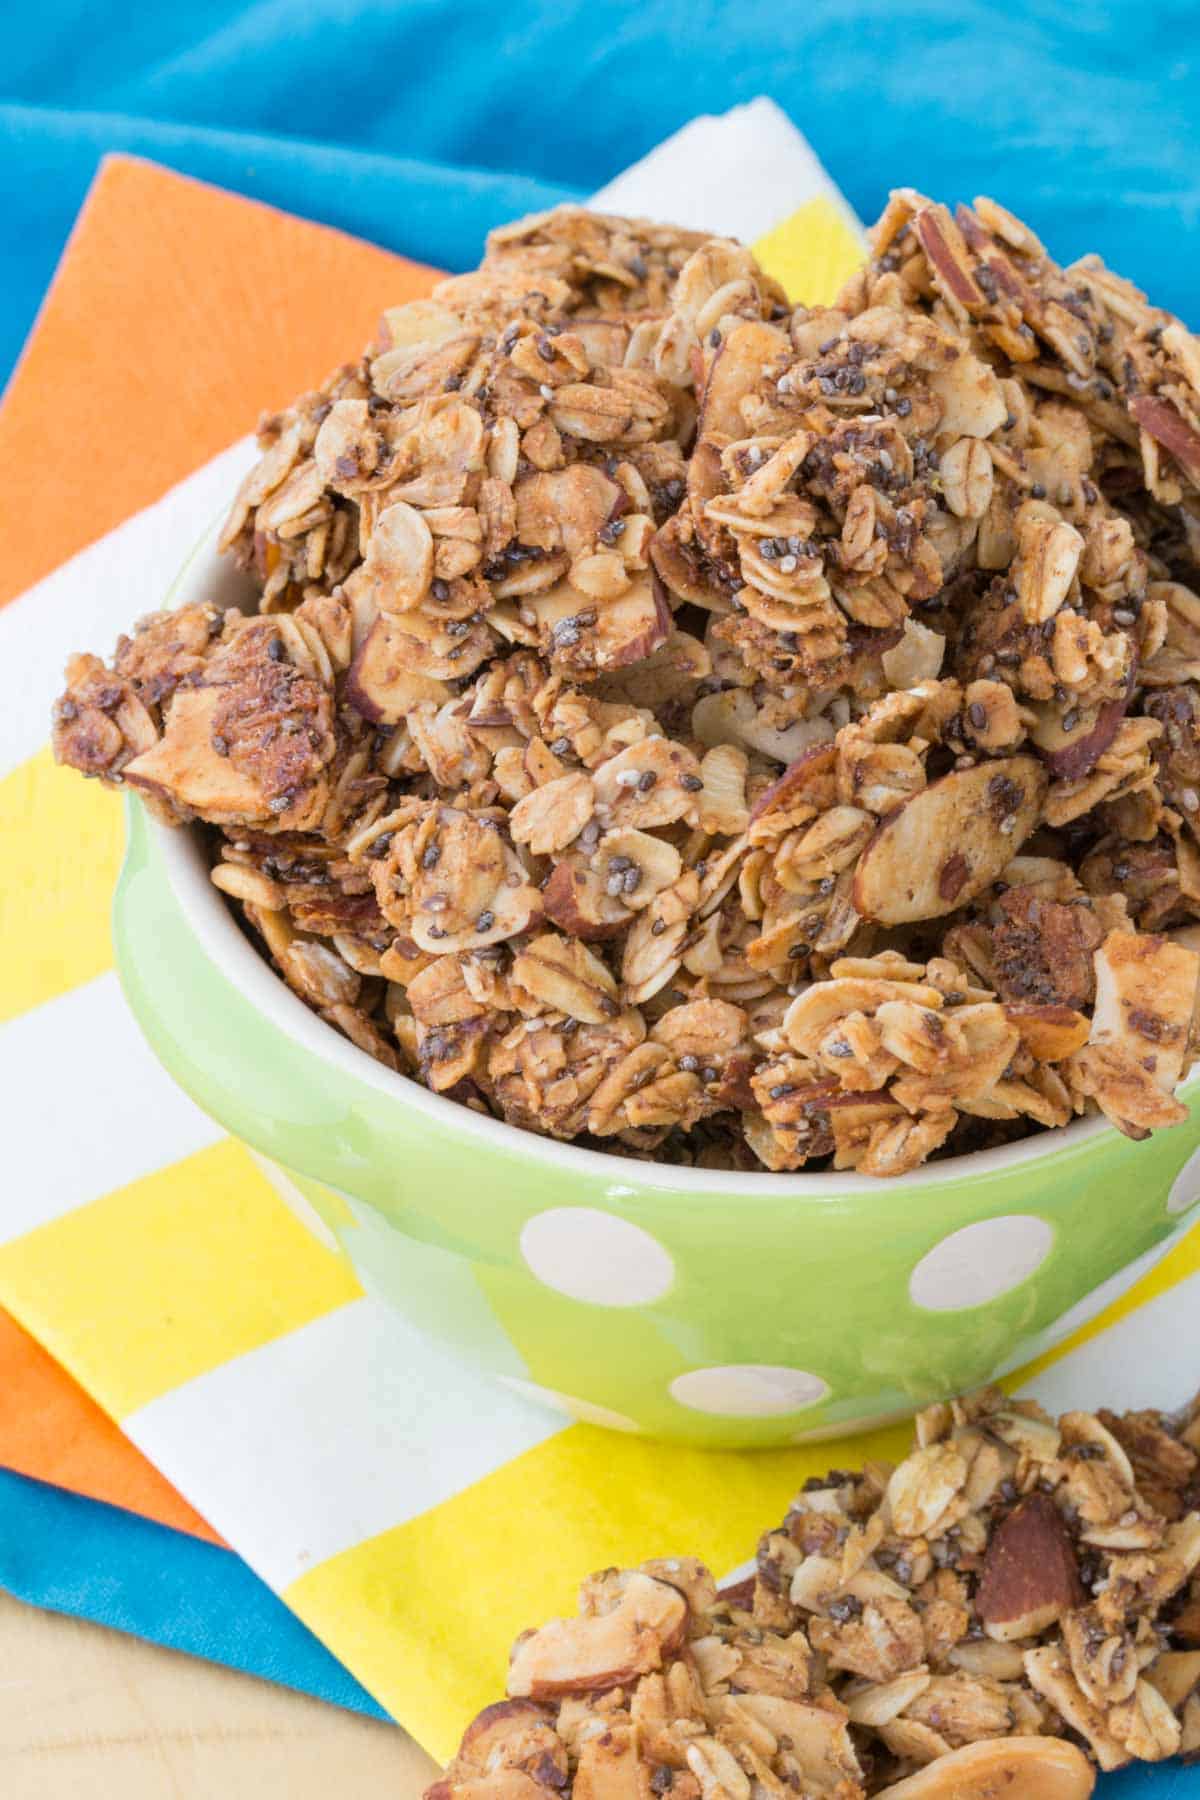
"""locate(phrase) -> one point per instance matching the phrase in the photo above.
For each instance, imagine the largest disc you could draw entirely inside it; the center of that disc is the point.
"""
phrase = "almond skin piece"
(1030, 1576)
(1170, 429)
(810, 776)
(579, 905)
(1018, 1768)
(515, 1734)
(1070, 756)
(945, 844)
(601, 1650)
(382, 692)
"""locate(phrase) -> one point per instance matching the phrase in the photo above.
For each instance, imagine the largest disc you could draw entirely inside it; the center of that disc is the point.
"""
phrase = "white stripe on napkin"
(87, 1106)
(342, 1429)
(737, 175)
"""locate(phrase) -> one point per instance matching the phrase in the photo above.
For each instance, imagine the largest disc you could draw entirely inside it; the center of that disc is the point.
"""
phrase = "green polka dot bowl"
(714, 1308)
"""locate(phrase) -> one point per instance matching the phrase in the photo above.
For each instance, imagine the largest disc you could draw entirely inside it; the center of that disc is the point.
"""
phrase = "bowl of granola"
(673, 816)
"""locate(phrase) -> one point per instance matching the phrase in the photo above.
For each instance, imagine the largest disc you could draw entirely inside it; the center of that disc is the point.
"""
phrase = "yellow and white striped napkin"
(415, 1516)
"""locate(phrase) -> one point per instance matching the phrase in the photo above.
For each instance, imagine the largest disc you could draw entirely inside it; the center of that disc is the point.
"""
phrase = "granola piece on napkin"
(1007, 1607)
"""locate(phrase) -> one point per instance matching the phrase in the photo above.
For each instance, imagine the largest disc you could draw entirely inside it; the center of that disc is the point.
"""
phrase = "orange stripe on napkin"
(50, 1429)
(178, 312)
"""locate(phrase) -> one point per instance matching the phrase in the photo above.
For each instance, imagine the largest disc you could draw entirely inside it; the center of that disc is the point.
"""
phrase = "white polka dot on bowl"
(1185, 1189)
(585, 1411)
(594, 1256)
(748, 1390)
(980, 1262)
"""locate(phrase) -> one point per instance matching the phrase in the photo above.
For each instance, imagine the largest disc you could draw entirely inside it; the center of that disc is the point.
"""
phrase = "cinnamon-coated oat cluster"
(723, 732)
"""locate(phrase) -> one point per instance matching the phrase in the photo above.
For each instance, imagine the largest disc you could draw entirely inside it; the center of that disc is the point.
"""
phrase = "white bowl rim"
(213, 923)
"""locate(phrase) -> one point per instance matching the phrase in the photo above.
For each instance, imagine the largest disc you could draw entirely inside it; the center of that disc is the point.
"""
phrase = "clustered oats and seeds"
(1017, 1601)
(724, 732)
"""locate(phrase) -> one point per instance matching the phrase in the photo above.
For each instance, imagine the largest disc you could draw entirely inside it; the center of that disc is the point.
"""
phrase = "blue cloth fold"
(71, 1555)
(419, 123)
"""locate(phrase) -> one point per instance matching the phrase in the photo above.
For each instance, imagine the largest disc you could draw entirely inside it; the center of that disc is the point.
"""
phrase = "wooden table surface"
(88, 1714)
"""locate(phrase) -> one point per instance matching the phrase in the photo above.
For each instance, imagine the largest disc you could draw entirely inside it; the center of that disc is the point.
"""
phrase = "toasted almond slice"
(1049, 1032)
(583, 1655)
(576, 899)
(651, 783)
(1145, 998)
(820, 1739)
(553, 815)
(948, 842)
(1035, 1768)
(1168, 427)
(565, 976)
(883, 1700)
(184, 766)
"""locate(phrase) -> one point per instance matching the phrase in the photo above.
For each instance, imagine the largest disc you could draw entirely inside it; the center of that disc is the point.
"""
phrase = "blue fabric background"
(422, 124)
(98, 1562)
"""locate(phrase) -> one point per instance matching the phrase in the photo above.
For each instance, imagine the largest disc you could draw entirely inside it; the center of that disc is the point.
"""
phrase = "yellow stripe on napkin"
(813, 253)
(63, 840)
(167, 1278)
(393, 1607)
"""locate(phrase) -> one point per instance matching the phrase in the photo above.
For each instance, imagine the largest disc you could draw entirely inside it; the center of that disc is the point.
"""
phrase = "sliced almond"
(1049, 1032)
(652, 783)
(1145, 999)
(819, 1737)
(552, 816)
(184, 766)
(576, 899)
(1033, 1768)
(563, 975)
(948, 842)
(584, 1655)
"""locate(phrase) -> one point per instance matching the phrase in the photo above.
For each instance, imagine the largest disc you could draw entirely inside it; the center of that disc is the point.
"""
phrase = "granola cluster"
(729, 733)
(1014, 1603)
